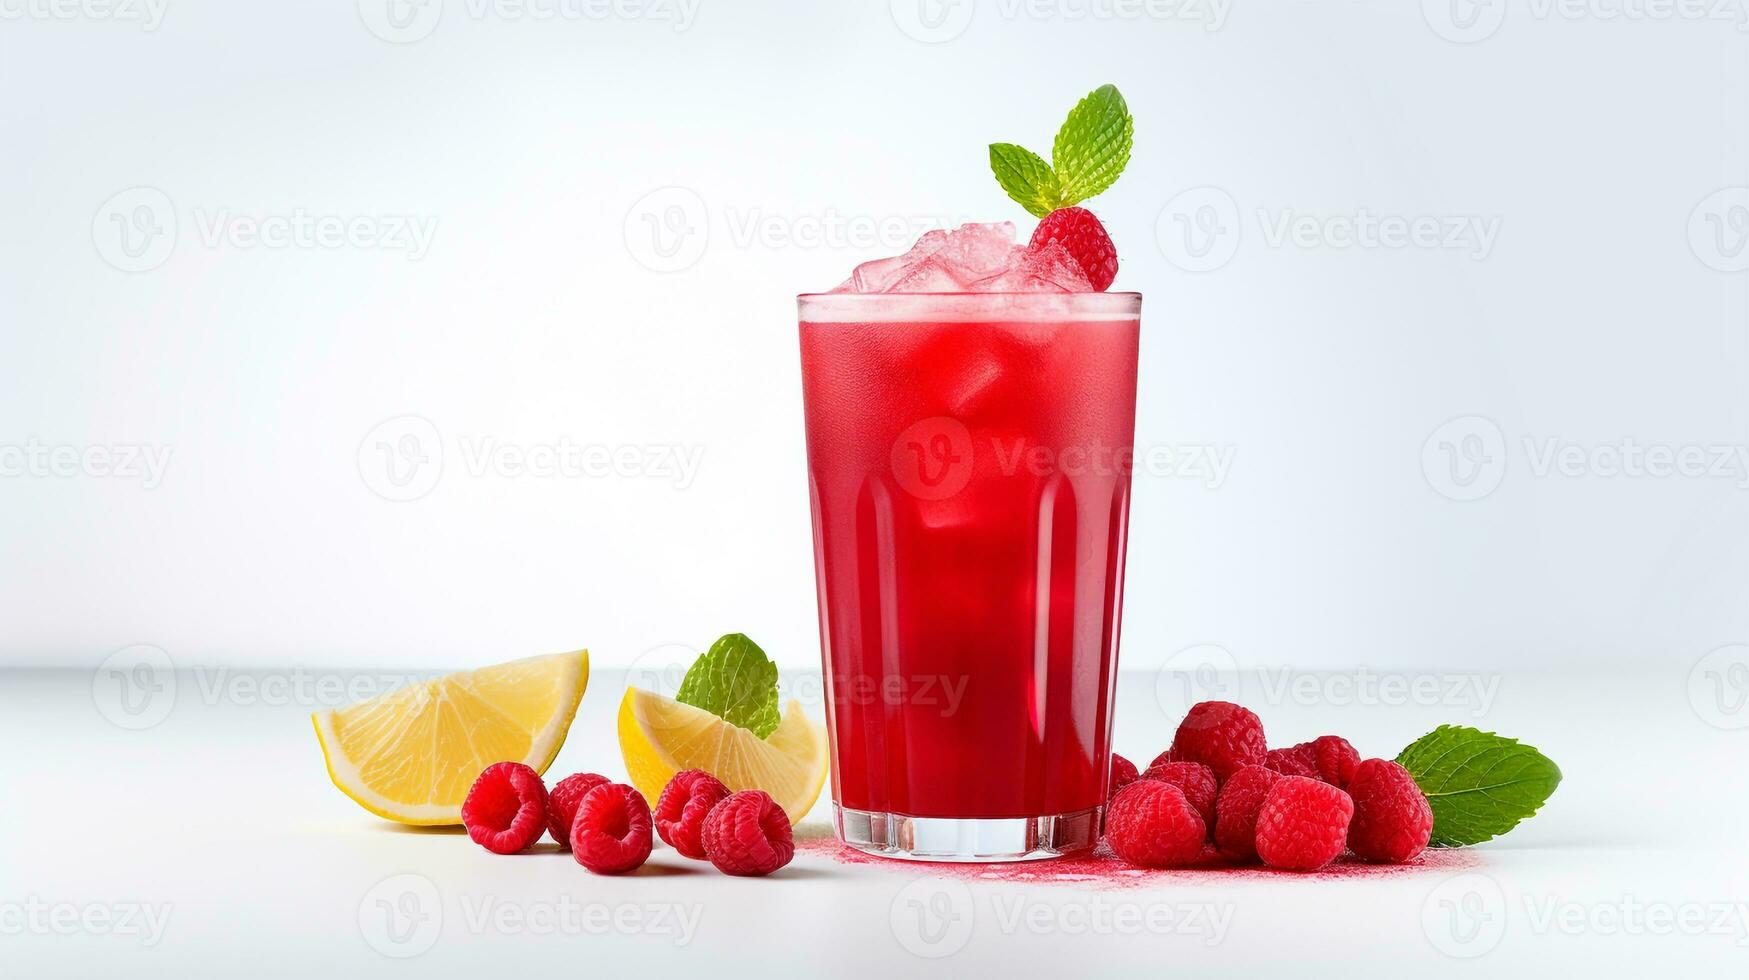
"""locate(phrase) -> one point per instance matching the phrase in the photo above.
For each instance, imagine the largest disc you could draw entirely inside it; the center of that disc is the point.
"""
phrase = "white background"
(529, 147)
(1492, 464)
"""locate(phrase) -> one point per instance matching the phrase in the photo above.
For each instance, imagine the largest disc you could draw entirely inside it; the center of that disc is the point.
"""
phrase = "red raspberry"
(1151, 824)
(748, 834)
(1195, 780)
(506, 809)
(1081, 234)
(1220, 735)
(611, 834)
(1236, 811)
(1290, 762)
(1392, 820)
(1123, 773)
(1163, 758)
(681, 809)
(1303, 824)
(562, 803)
(1332, 759)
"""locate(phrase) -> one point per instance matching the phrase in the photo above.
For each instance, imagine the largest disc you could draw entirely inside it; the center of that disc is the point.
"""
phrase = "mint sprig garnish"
(1479, 784)
(735, 681)
(1094, 144)
(1026, 177)
(1091, 149)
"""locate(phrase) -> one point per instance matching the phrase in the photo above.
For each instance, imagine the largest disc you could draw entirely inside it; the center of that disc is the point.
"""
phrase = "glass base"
(895, 835)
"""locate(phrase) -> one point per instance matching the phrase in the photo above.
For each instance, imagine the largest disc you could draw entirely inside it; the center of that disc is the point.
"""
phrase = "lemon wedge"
(412, 754)
(659, 736)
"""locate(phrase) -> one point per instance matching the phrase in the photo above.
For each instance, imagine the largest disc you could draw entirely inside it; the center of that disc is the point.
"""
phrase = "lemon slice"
(660, 736)
(412, 754)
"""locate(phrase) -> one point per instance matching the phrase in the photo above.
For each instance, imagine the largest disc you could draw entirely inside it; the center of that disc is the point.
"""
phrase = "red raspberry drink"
(969, 455)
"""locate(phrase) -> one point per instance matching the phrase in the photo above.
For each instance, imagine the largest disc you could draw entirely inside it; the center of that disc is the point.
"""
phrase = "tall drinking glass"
(969, 460)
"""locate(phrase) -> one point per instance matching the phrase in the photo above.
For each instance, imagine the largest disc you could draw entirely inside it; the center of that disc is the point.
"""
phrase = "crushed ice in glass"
(973, 258)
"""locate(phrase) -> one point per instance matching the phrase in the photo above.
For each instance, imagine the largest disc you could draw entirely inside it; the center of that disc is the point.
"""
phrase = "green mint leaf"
(735, 681)
(1093, 146)
(1027, 178)
(1479, 784)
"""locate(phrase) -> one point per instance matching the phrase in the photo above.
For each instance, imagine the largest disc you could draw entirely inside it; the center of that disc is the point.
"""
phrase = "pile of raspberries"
(1294, 808)
(606, 825)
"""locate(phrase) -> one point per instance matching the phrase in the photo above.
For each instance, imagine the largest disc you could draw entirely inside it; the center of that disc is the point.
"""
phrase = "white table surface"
(212, 844)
